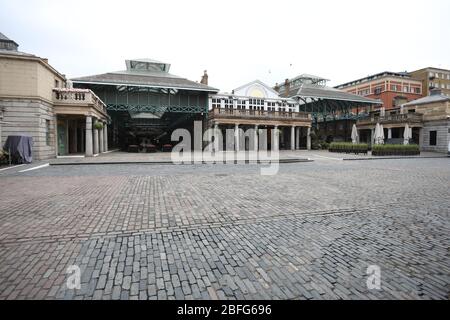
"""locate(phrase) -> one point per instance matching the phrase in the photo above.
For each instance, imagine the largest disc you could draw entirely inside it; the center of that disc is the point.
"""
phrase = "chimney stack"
(204, 78)
(277, 87)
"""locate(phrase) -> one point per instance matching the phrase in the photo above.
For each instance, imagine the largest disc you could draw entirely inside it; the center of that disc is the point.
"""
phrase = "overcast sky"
(236, 41)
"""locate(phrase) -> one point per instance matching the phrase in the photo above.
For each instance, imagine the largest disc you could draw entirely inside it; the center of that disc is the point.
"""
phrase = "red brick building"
(394, 89)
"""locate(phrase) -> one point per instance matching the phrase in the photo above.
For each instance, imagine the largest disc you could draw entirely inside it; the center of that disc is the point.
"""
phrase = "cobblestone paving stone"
(226, 232)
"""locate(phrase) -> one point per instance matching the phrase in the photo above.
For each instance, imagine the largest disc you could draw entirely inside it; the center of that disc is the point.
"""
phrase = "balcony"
(259, 117)
(78, 98)
(410, 118)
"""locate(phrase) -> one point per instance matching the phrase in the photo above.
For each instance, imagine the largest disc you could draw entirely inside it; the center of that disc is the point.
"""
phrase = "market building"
(257, 106)
(37, 101)
(333, 111)
(146, 103)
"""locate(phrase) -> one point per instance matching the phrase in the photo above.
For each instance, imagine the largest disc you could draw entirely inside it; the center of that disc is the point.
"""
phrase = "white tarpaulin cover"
(354, 134)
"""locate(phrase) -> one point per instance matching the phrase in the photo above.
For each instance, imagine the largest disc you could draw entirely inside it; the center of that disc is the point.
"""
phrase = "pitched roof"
(428, 99)
(17, 53)
(144, 78)
(328, 93)
(5, 39)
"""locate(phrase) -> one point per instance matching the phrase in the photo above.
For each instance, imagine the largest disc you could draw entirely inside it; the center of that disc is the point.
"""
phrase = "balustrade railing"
(245, 113)
(78, 97)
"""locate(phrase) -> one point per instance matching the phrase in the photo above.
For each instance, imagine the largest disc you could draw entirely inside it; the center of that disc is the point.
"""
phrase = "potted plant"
(98, 125)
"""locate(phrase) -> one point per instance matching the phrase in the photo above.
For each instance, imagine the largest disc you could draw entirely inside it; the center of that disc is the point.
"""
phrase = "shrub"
(324, 145)
(395, 150)
(98, 125)
(348, 147)
(315, 145)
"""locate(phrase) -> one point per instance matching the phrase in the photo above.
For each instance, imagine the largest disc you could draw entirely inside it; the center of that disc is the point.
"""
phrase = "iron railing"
(392, 118)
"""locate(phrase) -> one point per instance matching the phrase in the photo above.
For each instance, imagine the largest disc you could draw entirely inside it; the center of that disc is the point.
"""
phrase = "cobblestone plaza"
(225, 232)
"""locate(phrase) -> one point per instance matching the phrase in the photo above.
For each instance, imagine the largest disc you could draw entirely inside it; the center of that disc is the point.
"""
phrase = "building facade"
(435, 112)
(259, 107)
(34, 101)
(393, 89)
(333, 111)
(433, 78)
(428, 118)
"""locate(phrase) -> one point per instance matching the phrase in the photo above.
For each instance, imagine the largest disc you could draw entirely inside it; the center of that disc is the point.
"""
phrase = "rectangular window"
(433, 138)
(241, 104)
(47, 132)
(216, 103)
(257, 104)
(228, 103)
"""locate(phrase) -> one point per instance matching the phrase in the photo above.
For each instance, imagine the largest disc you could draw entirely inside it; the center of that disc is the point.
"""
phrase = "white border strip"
(111, 151)
(35, 168)
(19, 165)
(331, 158)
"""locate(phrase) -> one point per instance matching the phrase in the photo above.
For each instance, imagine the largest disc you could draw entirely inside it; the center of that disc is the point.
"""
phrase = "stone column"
(101, 142)
(293, 138)
(389, 133)
(372, 136)
(216, 137)
(255, 141)
(297, 138)
(88, 142)
(276, 139)
(236, 137)
(308, 139)
(95, 132)
(105, 137)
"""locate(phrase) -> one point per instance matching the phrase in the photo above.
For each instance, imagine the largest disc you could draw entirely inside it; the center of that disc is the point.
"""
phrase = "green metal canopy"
(326, 103)
(147, 86)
